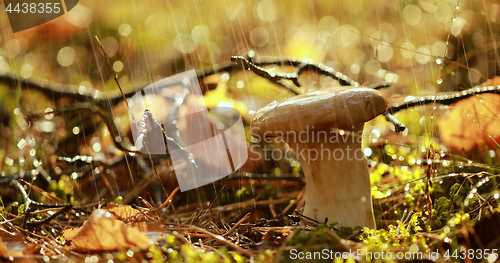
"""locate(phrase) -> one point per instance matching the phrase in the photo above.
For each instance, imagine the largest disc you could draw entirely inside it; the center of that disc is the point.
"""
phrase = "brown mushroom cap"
(338, 107)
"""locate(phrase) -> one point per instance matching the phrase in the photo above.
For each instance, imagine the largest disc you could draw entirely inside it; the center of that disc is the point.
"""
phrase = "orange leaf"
(103, 232)
(462, 131)
(70, 233)
(121, 211)
(12, 245)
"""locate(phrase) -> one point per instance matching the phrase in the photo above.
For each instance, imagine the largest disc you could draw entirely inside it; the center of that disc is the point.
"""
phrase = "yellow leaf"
(219, 98)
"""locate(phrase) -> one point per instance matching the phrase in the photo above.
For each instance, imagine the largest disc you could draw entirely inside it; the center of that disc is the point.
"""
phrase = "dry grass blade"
(292, 234)
(234, 228)
(168, 200)
(111, 67)
(42, 192)
(225, 242)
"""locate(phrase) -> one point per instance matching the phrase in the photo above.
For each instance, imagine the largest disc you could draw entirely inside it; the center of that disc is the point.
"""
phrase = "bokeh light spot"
(80, 16)
(184, 43)
(423, 55)
(259, 37)
(327, 25)
(408, 50)
(412, 15)
(26, 71)
(383, 52)
(155, 25)
(267, 10)
(118, 66)
(124, 29)
(66, 56)
(200, 34)
(353, 6)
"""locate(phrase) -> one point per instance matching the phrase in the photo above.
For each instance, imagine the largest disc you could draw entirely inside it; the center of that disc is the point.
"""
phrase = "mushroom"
(324, 128)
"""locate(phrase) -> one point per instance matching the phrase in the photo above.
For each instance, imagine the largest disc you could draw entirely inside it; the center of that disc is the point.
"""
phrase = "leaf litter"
(256, 225)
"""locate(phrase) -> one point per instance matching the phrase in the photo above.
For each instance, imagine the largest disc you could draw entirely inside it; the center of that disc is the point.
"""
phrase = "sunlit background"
(401, 42)
(405, 43)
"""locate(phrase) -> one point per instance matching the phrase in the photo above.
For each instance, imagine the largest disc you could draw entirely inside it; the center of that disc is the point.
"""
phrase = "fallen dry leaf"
(467, 134)
(462, 131)
(70, 233)
(103, 232)
(11, 244)
(4, 251)
(121, 212)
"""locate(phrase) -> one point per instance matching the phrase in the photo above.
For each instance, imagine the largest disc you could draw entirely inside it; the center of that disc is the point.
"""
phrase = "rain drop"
(440, 77)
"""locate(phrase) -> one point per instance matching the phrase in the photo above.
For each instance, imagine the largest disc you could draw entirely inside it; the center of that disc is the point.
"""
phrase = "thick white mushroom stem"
(337, 178)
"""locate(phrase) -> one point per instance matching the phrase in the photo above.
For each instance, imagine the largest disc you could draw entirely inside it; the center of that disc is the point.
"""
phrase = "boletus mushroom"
(324, 128)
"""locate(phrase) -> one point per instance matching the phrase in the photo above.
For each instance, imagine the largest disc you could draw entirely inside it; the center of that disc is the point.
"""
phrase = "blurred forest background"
(399, 42)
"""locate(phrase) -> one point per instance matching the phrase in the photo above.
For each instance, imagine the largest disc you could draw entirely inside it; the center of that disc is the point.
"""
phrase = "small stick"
(378, 85)
(271, 208)
(274, 77)
(168, 200)
(144, 201)
(27, 199)
(142, 212)
(241, 221)
(398, 125)
(42, 192)
(306, 217)
(39, 223)
(225, 242)
(299, 196)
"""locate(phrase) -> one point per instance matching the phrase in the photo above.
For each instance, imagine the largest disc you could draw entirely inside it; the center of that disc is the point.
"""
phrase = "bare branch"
(444, 99)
